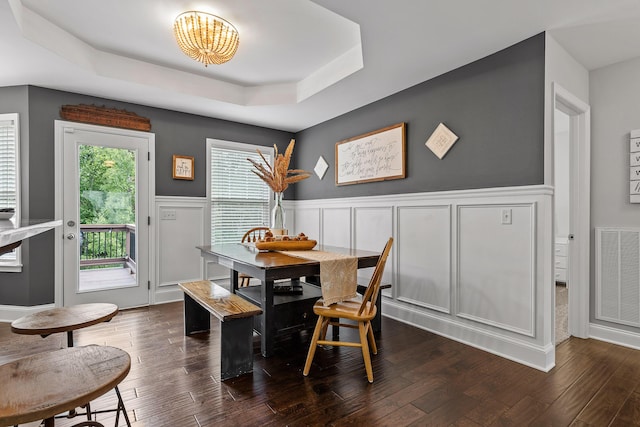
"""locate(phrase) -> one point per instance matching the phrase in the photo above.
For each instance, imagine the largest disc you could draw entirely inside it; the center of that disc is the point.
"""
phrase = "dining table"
(283, 312)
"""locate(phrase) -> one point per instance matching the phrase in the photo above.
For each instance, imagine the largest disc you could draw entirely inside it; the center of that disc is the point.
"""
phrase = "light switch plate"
(168, 214)
(506, 216)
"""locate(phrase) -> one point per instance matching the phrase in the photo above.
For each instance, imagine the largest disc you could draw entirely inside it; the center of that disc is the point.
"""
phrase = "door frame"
(578, 268)
(59, 126)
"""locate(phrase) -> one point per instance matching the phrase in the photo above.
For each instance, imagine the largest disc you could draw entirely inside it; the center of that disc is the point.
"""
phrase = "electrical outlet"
(506, 216)
(168, 214)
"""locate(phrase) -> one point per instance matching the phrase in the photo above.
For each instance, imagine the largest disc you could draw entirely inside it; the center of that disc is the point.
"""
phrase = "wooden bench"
(203, 298)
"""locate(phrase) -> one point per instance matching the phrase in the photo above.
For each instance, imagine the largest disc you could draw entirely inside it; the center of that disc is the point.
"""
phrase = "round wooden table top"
(46, 384)
(64, 319)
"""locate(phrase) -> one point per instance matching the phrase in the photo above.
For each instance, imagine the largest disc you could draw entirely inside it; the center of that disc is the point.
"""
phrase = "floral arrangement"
(279, 176)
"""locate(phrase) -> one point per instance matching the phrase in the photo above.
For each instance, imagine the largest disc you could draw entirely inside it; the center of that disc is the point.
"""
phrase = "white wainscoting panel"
(336, 227)
(289, 219)
(9, 313)
(180, 227)
(424, 256)
(496, 266)
(372, 228)
(307, 221)
(459, 267)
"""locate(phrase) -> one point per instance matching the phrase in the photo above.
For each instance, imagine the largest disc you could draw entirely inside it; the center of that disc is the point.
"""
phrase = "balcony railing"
(102, 245)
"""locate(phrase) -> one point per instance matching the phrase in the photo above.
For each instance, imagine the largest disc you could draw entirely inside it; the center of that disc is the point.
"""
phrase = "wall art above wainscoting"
(441, 140)
(456, 267)
(374, 156)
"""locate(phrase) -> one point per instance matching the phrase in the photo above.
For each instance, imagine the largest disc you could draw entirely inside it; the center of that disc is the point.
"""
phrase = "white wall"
(615, 95)
(560, 68)
(456, 267)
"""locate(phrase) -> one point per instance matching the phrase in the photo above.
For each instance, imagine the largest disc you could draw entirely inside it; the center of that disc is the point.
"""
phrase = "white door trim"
(59, 126)
(578, 274)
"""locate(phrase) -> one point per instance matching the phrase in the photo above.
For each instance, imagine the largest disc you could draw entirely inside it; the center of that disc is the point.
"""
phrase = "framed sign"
(374, 156)
(183, 167)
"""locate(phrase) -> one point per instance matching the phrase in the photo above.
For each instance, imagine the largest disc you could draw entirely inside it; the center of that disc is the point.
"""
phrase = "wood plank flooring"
(421, 379)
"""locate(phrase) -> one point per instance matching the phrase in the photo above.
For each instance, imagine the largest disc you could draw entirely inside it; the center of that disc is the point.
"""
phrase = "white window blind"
(9, 174)
(8, 167)
(239, 199)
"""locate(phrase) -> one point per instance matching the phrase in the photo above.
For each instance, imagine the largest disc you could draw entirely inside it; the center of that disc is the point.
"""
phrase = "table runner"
(338, 274)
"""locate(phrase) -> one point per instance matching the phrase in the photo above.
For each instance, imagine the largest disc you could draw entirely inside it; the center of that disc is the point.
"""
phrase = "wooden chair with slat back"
(250, 236)
(358, 310)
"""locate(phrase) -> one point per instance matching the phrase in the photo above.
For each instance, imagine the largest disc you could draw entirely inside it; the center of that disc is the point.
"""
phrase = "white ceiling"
(300, 62)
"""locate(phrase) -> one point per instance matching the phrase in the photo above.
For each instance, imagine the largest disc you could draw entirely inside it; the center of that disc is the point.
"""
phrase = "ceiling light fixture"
(206, 38)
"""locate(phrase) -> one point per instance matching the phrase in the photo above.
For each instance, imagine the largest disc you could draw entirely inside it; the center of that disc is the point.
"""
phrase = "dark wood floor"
(420, 379)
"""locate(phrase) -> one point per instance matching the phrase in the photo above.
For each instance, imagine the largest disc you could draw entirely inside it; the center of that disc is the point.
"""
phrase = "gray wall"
(176, 133)
(494, 105)
(14, 287)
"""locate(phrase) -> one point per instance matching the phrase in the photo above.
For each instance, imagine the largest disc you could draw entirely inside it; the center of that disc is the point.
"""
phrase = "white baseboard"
(167, 294)
(614, 336)
(532, 355)
(9, 313)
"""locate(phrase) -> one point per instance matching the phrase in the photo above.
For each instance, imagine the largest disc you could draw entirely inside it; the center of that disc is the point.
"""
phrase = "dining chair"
(251, 236)
(361, 310)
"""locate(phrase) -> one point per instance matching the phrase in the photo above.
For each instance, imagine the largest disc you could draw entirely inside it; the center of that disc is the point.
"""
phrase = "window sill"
(10, 268)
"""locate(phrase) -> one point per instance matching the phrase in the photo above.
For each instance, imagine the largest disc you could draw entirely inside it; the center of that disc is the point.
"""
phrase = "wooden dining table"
(283, 313)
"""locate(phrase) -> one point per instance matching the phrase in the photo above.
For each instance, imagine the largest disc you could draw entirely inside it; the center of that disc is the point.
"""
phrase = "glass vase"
(277, 213)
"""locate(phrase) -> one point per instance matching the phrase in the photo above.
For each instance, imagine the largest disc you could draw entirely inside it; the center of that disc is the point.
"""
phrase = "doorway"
(561, 174)
(576, 199)
(103, 182)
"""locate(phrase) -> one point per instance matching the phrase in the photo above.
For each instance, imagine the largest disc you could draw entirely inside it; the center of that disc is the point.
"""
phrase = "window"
(239, 199)
(9, 180)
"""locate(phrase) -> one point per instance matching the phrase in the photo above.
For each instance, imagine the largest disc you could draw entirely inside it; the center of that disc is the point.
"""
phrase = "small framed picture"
(183, 167)
(441, 140)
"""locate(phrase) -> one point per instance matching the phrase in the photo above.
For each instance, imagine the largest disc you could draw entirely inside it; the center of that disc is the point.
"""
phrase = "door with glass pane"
(105, 216)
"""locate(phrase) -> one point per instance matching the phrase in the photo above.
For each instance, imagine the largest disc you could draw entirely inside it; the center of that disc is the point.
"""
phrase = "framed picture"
(183, 167)
(441, 140)
(374, 156)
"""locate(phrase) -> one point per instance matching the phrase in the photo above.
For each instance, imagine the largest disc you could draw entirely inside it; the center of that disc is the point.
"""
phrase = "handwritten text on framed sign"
(375, 156)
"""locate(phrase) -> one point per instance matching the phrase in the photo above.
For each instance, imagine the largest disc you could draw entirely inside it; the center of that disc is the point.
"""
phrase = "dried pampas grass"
(279, 176)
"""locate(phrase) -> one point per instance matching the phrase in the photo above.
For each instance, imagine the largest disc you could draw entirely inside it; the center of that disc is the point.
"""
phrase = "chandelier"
(206, 38)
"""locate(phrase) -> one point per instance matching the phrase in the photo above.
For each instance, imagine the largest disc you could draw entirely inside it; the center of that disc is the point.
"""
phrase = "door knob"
(71, 236)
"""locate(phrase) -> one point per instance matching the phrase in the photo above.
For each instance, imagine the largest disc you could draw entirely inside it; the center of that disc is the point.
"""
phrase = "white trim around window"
(236, 198)
(10, 181)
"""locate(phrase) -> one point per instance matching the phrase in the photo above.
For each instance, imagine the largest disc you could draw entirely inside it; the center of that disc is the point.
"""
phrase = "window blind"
(9, 173)
(8, 167)
(239, 199)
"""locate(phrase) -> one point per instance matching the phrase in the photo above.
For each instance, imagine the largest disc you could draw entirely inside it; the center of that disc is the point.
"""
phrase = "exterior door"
(105, 211)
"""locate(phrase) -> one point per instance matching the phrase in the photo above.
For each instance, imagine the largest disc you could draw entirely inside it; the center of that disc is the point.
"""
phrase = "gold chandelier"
(206, 38)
